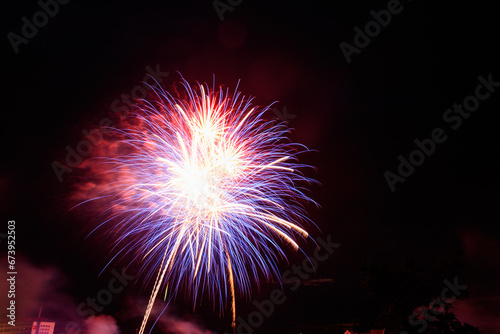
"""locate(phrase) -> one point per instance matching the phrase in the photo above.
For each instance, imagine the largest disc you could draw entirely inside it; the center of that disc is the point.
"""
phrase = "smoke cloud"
(102, 324)
(168, 322)
(482, 309)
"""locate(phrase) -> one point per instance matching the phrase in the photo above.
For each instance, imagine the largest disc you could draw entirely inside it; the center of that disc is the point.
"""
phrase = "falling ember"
(207, 196)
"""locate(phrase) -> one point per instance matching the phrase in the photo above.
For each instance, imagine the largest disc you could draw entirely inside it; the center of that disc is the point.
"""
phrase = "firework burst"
(207, 195)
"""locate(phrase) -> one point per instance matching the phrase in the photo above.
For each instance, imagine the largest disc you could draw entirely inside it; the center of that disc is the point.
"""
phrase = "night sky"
(361, 108)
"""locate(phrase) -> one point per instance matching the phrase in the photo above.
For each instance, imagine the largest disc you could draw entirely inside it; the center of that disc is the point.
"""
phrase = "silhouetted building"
(31, 326)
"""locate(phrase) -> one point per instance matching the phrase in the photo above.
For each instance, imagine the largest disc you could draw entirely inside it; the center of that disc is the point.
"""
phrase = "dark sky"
(359, 116)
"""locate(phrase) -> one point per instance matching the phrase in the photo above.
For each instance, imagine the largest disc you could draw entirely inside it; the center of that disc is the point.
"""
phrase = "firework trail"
(207, 194)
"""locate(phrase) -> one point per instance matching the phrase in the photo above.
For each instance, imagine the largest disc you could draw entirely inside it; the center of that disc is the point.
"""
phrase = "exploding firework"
(207, 194)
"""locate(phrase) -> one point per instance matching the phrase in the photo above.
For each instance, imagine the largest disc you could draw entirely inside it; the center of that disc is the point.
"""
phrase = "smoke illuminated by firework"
(207, 195)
